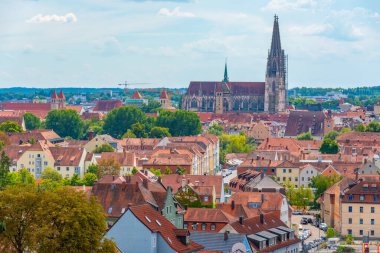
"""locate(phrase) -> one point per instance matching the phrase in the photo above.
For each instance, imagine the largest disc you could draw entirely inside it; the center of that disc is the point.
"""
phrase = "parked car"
(306, 233)
(316, 223)
(309, 220)
(300, 227)
(304, 221)
(323, 226)
(297, 212)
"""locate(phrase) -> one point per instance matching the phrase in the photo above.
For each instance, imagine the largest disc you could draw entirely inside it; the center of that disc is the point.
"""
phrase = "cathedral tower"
(276, 74)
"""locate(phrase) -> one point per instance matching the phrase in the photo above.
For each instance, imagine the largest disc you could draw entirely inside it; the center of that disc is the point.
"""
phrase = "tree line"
(119, 123)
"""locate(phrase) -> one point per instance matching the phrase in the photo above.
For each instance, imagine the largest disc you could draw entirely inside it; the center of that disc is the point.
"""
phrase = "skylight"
(159, 223)
(146, 217)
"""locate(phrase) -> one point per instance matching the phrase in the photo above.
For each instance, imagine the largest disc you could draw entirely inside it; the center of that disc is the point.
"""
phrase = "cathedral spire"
(225, 79)
(275, 48)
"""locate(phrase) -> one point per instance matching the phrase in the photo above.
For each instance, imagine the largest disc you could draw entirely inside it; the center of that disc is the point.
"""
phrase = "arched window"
(245, 105)
(273, 87)
(274, 68)
(194, 103)
(236, 105)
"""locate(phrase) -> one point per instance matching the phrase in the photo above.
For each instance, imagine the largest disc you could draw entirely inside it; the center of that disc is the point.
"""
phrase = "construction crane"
(126, 84)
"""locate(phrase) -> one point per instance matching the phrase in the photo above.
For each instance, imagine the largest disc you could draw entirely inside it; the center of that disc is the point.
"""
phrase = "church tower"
(276, 75)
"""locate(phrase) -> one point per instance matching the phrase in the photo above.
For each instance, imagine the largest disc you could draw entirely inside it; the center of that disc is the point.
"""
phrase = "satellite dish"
(238, 248)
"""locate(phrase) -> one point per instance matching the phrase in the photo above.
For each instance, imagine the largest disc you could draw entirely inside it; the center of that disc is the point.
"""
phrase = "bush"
(345, 249)
(349, 239)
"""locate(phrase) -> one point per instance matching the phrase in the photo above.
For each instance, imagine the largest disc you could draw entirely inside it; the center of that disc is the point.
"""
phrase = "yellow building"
(35, 158)
(260, 132)
(288, 172)
(360, 210)
(99, 140)
(69, 160)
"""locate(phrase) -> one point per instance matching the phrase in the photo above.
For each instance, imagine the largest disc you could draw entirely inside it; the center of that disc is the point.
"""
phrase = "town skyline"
(170, 43)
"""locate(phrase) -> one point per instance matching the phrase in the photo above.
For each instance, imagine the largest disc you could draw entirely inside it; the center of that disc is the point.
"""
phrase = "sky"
(168, 43)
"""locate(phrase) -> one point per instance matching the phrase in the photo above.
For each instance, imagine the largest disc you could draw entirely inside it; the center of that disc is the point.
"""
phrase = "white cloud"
(67, 18)
(286, 5)
(176, 12)
(314, 29)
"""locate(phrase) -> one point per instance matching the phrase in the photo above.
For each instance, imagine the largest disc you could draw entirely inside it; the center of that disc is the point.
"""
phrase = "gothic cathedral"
(225, 96)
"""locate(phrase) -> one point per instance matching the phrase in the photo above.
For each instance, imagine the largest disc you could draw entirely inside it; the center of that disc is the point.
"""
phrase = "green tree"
(216, 129)
(10, 127)
(5, 163)
(139, 130)
(321, 183)
(21, 177)
(329, 147)
(330, 232)
(65, 123)
(156, 172)
(129, 134)
(167, 171)
(360, 128)
(51, 179)
(134, 171)
(103, 148)
(31, 121)
(332, 135)
(89, 179)
(181, 171)
(180, 122)
(305, 136)
(152, 106)
(93, 168)
(349, 239)
(120, 119)
(372, 127)
(76, 180)
(159, 132)
(108, 166)
(19, 212)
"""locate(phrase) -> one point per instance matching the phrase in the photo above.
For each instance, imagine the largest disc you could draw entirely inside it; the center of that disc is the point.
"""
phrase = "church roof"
(61, 95)
(275, 48)
(236, 88)
(136, 95)
(164, 95)
(54, 95)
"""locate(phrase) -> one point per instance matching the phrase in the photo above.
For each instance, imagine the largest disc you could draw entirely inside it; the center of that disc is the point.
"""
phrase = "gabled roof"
(270, 201)
(365, 189)
(54, 95)
(207, 215)
(66, 156)
(164, 95)
(253, 225)
(136, 95)
(157, 223)
(61, 95)
(304, 121)
(216, 242)
(107, 105)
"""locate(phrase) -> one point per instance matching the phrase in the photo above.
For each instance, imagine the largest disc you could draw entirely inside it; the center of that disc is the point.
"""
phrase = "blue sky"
(99, 43)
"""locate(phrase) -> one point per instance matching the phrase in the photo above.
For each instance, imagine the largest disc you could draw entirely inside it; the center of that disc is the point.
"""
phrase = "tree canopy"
(159, 132)
(60, 220)
(108, 166)
(119, 120)
(216, 129)
(180, 122)
(329, 147)
(31, 121)
(103, 148)
(65, 123)
(10, 127)
(305, 136)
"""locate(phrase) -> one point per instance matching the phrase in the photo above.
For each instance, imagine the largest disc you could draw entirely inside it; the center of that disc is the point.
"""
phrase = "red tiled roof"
(366, 189)
(77, 108)
(107, 105)
(29, 107)
(136, 95)
(207, 215)
(54, 95)
(166, 229)
(66, 156)
(304, 121)
(61, 95)
(272, 200)
(164, 95)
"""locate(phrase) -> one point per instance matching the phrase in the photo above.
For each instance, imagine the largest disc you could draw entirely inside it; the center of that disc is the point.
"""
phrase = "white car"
(307, 233)
(300, 228)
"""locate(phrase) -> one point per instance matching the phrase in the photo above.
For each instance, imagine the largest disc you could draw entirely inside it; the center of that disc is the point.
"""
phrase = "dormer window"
(350, 197)
(361, 198)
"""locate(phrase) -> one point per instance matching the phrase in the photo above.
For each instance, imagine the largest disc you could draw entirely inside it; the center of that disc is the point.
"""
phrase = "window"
(203, 226)
(195, 226)
(284, 179)
(350, 197)
(372, 232)
(185, 225)
(45, 163)
(67, 168)
(212, 226)
(372, 221)
(265, 170)
(372, 209)
(360, 232)
(283, 170)
(349, 220)
(375, 198)
(361, 209)
(349, 231)
(350, 209)
(361, 198)
(312, 172)
(206, 198)
(290, 170)
(361, 221)
(273, 170)
(154, 242)
(308, 179)
(59, 168)
(77, 170)
(290, 179)
(303, 179)
(296, 179)
(278, 178)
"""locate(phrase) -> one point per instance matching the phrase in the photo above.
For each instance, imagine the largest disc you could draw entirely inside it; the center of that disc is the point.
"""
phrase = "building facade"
(225, 96)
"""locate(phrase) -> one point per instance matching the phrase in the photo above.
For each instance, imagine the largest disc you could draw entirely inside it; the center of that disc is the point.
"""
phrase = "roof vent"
(159, 223)
(146, 217)
(170, 240)
(123, 210)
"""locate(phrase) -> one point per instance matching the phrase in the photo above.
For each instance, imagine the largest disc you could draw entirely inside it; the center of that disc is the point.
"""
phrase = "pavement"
(315, 232)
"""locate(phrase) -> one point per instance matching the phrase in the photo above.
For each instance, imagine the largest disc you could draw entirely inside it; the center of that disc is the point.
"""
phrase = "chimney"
(261, 218)
(137, 186)
(262, 198)
(225, 235)
(233, 204)
(90, 135)
(241, 220)
(145, 183)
